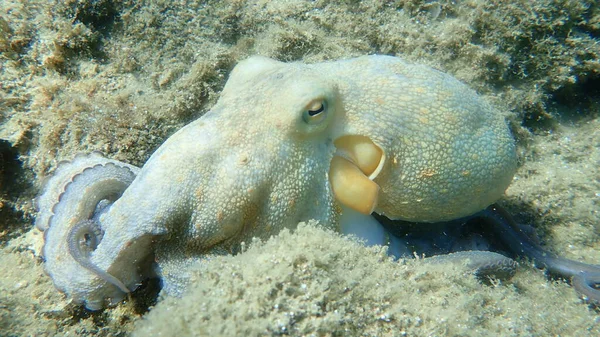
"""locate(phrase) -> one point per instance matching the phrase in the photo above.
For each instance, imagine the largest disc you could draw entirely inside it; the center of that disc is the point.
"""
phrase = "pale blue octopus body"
(285, 143)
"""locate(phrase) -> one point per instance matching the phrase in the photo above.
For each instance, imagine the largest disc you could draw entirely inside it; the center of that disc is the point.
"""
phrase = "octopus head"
(299, 160)
(408, 142)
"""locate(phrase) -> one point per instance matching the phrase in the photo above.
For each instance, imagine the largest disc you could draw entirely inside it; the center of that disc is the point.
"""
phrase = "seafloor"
(120, 77)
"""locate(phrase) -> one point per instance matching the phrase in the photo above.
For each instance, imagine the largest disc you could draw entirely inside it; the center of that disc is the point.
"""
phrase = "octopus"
(362, 145)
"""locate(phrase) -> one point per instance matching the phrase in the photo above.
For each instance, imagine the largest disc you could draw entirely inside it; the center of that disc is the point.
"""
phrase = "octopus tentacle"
(584, 277)
(586, 283)
(70, 207)
(54, 186)
(88, 233)
(483, 264)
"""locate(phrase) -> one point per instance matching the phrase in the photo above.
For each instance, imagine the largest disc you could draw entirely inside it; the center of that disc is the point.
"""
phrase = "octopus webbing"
(339, 142)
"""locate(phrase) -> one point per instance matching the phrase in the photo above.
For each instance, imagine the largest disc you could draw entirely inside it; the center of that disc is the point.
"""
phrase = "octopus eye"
(315, 112)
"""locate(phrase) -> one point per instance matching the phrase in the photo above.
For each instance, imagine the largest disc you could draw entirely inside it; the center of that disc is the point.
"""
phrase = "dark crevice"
(579, 101)
(99, 15)
(13, 221)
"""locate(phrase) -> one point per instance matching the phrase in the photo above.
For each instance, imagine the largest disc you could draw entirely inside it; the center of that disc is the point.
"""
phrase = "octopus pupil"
(316, 112)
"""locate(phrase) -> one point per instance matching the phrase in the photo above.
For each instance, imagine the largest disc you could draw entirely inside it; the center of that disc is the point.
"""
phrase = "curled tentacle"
(69, 209)
(87, 234)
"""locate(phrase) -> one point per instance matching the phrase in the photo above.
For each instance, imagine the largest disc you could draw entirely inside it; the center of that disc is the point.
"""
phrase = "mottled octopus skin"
(253, 165)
